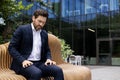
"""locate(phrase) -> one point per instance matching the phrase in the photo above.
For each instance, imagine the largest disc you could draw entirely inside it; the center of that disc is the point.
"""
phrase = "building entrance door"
(104, 51)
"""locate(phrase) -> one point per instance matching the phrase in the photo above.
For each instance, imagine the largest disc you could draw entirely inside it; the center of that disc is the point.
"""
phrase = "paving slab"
(105, 72)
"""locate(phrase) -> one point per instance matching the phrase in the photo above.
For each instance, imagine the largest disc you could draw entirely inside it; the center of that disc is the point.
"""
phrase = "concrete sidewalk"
(105, 72)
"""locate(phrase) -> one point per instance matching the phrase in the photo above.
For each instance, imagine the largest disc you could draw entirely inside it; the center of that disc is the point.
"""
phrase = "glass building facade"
(91, 27)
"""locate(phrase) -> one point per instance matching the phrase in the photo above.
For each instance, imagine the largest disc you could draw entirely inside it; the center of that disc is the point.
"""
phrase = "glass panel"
(103, 25)
(104, 59)
(78, 42)
(116, 52)
(114, 21)
(104, 47)
(104, 52)
(116, 48)
(103, 32)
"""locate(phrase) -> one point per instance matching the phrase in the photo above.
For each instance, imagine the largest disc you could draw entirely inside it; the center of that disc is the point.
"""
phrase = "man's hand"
(50, 62)
(26, 63)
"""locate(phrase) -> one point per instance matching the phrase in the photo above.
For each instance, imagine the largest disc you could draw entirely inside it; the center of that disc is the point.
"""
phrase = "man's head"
(39, 18)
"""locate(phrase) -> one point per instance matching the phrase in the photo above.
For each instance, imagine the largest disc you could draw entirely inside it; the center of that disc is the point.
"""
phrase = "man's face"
(39, 22)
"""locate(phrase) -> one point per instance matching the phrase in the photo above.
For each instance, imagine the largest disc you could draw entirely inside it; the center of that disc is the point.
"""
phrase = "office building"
(91, 27)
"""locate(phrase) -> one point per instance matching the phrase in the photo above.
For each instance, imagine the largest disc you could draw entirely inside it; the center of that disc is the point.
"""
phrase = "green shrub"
(65, 49)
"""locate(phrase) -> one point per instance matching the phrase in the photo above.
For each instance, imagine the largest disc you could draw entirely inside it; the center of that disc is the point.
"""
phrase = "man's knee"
(31, 72)
(57, 70)
(58, 74)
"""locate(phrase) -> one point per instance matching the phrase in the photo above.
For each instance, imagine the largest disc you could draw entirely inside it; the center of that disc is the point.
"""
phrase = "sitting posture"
(30, 50)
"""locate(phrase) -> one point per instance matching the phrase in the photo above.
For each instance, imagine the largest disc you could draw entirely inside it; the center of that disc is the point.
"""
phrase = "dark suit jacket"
(20, 46)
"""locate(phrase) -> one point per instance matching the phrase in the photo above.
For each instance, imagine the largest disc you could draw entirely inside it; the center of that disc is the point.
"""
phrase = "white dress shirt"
(36, 50)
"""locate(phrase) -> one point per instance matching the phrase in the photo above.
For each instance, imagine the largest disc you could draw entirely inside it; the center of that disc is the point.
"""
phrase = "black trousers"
(39, 70)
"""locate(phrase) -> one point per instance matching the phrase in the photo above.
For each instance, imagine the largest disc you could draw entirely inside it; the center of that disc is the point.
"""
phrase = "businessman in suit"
(30, 50)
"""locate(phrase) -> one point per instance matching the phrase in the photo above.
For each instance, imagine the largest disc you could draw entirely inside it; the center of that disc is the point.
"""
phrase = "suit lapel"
(42, 38)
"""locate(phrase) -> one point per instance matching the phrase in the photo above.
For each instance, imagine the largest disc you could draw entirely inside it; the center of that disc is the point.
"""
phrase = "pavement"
(105, 72)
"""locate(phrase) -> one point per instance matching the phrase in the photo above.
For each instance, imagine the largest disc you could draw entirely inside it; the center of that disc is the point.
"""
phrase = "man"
(30, 51)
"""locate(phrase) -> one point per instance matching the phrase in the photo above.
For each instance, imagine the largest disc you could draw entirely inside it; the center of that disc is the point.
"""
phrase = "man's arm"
(14, 45)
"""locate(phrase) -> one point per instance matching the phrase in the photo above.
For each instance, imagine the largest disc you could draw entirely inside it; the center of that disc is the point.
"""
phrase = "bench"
(71, 72)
